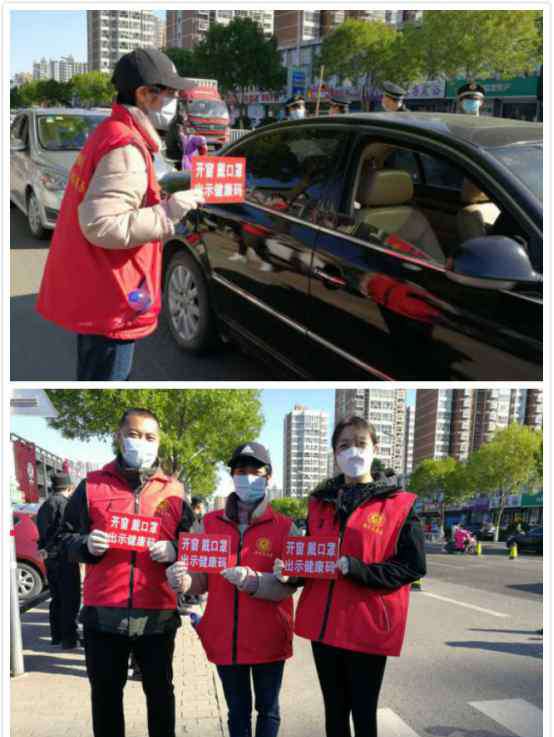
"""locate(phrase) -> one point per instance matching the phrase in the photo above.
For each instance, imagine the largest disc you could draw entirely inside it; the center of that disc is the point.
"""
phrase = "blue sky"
(275, 402)
(49, 33)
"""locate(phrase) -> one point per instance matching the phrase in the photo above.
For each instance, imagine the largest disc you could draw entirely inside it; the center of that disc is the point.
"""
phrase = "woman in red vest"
(357, 620)
(247, 627)
(102, 278)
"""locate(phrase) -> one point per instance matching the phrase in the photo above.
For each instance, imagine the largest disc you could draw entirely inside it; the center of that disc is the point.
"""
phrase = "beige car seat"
(478, 215)
(383, 195)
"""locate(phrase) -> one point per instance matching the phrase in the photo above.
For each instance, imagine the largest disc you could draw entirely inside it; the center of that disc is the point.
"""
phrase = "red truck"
(207, 113)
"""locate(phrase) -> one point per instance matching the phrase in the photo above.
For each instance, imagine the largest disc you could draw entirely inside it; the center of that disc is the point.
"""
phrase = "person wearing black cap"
(470, 98)
(295, 107)
(246, 629)
(102, 278)
(64, 581)
(393, 98)
(337, 106)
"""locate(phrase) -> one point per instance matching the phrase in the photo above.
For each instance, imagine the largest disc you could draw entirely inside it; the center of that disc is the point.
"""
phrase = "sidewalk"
(53, 698)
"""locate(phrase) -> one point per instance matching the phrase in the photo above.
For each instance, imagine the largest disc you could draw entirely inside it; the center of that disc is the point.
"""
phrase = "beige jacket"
(111, 214)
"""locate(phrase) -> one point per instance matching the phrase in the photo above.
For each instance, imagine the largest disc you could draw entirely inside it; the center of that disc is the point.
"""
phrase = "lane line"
(465, 605)
(517, 715)
(391, 725)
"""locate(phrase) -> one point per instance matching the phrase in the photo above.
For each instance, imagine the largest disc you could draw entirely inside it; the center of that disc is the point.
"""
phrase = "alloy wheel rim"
(184, 305)
(26, 582)
(34, 214)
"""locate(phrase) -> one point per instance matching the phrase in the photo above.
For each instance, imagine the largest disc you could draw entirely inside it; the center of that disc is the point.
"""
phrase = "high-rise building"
(292, 27)
(305, 450)
(113, 33)
(159, 33)
(41, 69)
(62, 70)
(186, 28)
(455, 422)
(409, 441)
(385, 409)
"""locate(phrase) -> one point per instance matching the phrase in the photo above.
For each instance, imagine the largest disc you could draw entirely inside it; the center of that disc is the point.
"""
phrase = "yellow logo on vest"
(375, 522)
(162, 508)
(263, 546)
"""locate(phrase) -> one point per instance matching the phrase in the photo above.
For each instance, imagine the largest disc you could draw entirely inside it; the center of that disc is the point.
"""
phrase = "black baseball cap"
(148, 67)
(61, 481)
(250, 451)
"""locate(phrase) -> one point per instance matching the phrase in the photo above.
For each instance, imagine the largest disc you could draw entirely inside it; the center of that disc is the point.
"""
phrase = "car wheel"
(33, 218)
(29, 582)
(187, 305)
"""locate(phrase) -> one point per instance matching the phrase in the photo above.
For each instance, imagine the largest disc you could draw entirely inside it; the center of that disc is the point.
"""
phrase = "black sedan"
(527, 542)
(372, 246)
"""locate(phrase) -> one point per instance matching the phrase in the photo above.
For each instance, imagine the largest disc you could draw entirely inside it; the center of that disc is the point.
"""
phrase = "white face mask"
(355, 462)
(249, 488)
(298, 114)
(139, 453)
(161, 119)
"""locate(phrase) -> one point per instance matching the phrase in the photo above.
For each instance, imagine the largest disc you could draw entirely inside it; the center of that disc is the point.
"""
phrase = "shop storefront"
(524, 509)
(505, 98)
(428, 97)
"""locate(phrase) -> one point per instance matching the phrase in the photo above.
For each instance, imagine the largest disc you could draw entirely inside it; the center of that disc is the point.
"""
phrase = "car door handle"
(330, 276)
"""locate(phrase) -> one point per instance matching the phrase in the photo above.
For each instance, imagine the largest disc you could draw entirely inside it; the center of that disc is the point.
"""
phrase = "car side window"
(292, 171)
(19, 130)
(441, 173)
(405, 160)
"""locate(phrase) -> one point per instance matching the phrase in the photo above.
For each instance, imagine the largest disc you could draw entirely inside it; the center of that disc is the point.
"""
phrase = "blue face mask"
(249, 488)
(471, 107)
(139, 453)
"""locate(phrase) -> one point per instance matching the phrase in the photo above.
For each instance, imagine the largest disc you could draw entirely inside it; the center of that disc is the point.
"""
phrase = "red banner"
(221, 178)
(132, 531)
(311, 557)
(204, 553)
(26, 469)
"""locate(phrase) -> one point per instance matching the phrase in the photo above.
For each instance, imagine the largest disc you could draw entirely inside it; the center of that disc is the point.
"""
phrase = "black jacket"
(408, 564)
(49, 523)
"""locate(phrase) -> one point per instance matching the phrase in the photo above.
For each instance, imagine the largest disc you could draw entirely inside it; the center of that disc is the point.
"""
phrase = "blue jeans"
(104, 359)
(267, 678)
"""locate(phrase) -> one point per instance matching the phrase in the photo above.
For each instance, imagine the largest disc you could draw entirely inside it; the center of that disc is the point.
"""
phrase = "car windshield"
(524, 160)
(66, 132)
(208, 109)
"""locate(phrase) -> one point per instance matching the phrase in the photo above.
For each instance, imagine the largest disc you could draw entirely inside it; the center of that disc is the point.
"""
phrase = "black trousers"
(107, 659)
(350, 683)
(64, 583)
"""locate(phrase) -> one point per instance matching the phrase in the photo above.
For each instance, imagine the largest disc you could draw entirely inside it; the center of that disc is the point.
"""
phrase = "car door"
(260, 252)
(19, 134)
(395, 310)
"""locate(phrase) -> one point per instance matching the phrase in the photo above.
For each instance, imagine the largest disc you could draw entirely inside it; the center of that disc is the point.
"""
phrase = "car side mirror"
(18, 146)
(491, 262)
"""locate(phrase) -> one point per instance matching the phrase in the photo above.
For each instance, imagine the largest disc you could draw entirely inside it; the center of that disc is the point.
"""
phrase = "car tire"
(33, 218)
(187, 305)
(29, 581)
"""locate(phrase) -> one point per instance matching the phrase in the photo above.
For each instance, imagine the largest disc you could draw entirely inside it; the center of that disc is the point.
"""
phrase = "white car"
(44, 143)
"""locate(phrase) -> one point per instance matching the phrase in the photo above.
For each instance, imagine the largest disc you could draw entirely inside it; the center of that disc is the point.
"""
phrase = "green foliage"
(443, 479)
(477, 43)
(186, 62)
(216, 419)
(296, 508)
(94, 88)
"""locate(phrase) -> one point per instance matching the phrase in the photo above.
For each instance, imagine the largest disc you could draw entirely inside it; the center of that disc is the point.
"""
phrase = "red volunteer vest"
(85, 287)
(237, 628)
(359, 618)
(113, 581)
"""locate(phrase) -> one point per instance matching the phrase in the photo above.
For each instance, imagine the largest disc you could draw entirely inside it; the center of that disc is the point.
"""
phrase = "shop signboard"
(531, 500)
(431, 89)
(518, 87)
(481, 503)
(297, 81)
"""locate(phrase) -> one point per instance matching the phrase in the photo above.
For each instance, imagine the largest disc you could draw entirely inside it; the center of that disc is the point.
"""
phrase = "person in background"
(470, 98)
(198, 508)
(102, 278)
(128, 605)
(246, 629)
(173, 144)
(295, 108)
(358, 620)
(64, 579)
(393, 98)
(337, 106)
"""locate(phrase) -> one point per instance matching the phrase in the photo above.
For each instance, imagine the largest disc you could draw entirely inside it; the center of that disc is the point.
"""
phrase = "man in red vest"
(128, 606)
(102, 278)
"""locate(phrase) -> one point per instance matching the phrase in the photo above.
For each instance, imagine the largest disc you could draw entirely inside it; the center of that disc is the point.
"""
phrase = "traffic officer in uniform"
(246, 629)
(128, 605)
(295, 107)
(337, 106)
(393, 98)
(470, 98)
(64, 581)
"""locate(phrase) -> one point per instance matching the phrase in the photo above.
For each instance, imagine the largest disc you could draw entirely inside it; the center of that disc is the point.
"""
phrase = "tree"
(240, 56)
(443, 479)
(186, 62)
(51, 93)
(477, 43)
(28, 93)
(296, 508)
(94, 88)
(16, 101)
(506, 465)
(211, 421)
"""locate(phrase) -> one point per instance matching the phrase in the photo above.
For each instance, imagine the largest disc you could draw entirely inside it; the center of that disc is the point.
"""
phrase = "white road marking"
(391, 725)
(517, 715)
(464, 604)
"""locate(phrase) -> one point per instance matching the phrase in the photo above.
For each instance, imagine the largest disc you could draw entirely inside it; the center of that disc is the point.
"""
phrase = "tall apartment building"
(62, 70)
(113, 33)
(385, 409)
(409, 441)
(305, 450)
(186, 28)
(159, 33)
(456, 422)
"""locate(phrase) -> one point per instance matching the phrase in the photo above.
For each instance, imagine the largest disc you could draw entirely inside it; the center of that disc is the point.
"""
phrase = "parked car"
(527, 542)
(31, 571)
(372, 246)
(481, 533)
